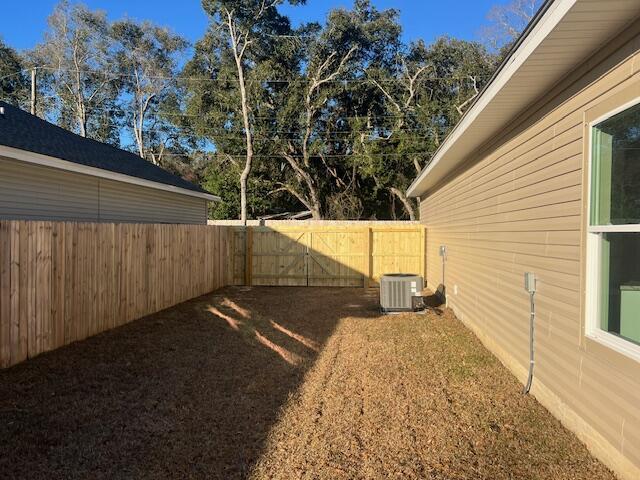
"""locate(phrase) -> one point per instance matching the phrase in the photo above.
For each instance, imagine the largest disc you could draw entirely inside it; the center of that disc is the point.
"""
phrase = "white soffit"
(568, 32)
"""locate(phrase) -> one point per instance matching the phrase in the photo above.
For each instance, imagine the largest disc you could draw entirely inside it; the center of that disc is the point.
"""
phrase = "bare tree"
(508, 21)
(241, 32)
(239, 43)
(147, 58)
(76, 53)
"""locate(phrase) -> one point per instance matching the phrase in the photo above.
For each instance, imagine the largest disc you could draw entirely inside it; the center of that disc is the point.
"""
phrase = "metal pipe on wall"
(530, 286)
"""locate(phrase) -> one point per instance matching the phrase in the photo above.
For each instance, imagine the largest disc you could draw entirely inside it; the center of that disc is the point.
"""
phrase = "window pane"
(620, 276)
(615, 189)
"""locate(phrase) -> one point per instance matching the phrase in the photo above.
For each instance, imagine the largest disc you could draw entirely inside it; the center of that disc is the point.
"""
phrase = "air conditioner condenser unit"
(397, 290)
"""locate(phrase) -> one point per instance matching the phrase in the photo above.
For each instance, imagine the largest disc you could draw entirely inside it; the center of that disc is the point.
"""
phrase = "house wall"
(34, 192)
(519, 206)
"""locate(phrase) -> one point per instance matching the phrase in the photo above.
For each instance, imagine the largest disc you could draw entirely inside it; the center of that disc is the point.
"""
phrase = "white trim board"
(53, 162)
(593, 312)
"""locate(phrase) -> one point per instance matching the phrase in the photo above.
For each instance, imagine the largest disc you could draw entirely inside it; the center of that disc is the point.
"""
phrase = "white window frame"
(594, 249)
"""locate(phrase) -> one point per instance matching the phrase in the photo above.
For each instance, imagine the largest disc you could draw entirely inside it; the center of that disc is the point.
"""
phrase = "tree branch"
(405, 202)
(288, 188)
(333, 172)
(417, 165)
(317, 81)
(460, 108)
(412, 81)
(387, 94)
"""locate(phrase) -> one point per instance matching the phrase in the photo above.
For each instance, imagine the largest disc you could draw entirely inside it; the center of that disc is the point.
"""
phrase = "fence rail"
(61, 282)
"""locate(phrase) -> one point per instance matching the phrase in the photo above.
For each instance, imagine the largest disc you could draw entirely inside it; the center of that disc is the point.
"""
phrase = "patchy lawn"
(280, 383)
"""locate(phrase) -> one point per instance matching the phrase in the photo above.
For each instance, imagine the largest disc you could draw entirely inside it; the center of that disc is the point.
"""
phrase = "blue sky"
(24, 21)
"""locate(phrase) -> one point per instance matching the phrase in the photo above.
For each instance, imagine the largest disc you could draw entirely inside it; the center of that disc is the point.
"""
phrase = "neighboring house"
(303, 215)
(542, 174)
(48, 173)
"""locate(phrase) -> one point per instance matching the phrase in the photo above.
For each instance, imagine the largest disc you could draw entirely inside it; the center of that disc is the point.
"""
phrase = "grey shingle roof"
(19, 129)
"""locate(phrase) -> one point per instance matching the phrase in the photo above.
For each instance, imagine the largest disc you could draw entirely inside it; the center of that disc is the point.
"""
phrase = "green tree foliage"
(320, 106)
(341, 117)
(231, 106)
(336, 118)
(14, 82)
(424, 95)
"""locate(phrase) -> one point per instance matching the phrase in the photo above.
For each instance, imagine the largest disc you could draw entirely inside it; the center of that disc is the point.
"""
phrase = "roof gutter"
(48, 161)
(412, 190)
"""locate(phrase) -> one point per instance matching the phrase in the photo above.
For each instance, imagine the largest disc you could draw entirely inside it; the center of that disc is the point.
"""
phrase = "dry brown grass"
(280, 383)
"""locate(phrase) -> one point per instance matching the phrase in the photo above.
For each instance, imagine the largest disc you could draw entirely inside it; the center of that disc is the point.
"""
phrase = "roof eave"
(518, 54)
(58, 163)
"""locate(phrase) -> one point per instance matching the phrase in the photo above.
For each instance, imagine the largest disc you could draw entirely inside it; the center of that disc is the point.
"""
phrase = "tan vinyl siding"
(122, 202)
(34, 192)
(520, 206)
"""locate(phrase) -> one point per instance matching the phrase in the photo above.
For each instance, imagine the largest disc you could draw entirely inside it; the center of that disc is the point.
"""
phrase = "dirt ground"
(280, 383)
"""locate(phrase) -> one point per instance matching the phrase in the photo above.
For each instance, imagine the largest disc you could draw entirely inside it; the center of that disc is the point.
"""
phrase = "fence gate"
(278, 258)
(351, 256)
(337, 258)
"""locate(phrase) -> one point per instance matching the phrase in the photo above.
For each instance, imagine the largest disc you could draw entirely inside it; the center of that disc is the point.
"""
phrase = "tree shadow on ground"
(189, 392)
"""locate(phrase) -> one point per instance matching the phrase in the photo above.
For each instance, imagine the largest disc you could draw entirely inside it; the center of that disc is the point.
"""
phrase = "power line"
(281, 134)
(279, 137)
(284, 133)
(256, 117)
(281, 80)
(271, 139)
(273, 135)
(287, 135)
(337, 155)
(15, 73)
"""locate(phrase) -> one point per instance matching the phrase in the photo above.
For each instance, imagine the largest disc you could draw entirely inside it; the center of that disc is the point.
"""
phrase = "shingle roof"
(19, 129)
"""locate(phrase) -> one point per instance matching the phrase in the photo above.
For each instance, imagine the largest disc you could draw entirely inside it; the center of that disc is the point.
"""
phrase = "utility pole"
(33, 91)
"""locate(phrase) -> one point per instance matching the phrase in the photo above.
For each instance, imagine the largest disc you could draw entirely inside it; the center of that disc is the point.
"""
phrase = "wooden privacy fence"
(353, 255)
(61, 282)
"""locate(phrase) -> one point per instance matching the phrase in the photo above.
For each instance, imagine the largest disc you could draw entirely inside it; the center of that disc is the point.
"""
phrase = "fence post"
(423, 254)
(369, 258)
(248, 257)
(5, 284)
(228, 256)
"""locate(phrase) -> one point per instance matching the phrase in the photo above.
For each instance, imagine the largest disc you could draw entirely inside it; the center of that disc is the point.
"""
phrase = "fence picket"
(61, 282)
